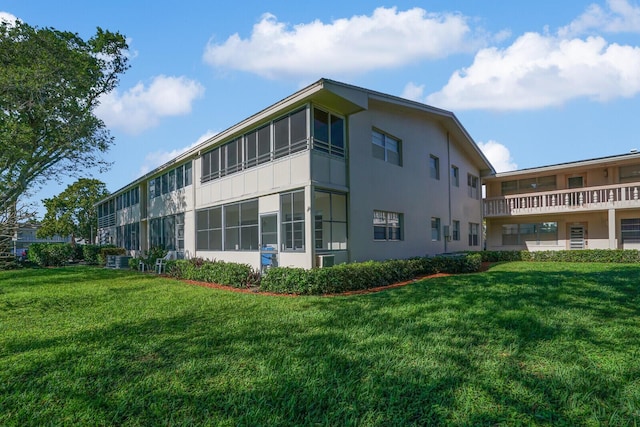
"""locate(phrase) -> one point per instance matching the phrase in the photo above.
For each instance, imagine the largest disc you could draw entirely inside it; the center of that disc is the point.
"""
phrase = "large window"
(128, 198)
(209, 229)
(387, 148)
(473, 185)
(474, 233)
(283, 136)
(128, 236)
(435, 229)
(542, 233)
(387, 225)
(630, 229)
(163, 232)
(330, 220)
(630, 173)
(292, 214)
(241, 226)
(171, 180)
(328, 133)
(434, 167)
(529, 185)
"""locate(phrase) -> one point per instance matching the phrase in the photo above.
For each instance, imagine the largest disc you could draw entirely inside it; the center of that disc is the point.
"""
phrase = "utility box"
(326, 260)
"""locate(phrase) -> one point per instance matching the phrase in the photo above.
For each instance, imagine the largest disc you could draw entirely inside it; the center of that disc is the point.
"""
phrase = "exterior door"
(576, 237)
(268, 241)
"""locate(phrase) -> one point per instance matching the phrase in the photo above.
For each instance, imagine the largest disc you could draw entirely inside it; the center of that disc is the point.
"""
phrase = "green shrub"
(91, 253)
(363, 275)
(111, 250)
(50, 254)
(220, 272)
(589, 255)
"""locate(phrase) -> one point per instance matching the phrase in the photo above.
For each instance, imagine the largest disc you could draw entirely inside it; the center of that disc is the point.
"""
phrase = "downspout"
(446, 238)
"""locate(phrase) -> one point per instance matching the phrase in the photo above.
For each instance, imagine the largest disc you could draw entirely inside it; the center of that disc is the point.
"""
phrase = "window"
(435, 229)
(472, 183)
(127, 236)
(545, 233)
(264, 144)
(162, 232)
(387, 225)
(455, 230)
(211, 165)
(152, 189)
(209, 229)
(232, 152)
(292, 215)
(455, 176)
(290, 134)
(172, 180)
(330, 220)
(629, 173)
(241, 226)
(386, 148)
(630, 229)
(328, 133)
(188, 174)
(434, 167)
(529, 185)
(165, 183)
(474, 232)
(180, 177)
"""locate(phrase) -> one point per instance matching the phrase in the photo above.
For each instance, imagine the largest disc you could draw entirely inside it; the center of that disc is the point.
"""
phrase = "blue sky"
(534, 83)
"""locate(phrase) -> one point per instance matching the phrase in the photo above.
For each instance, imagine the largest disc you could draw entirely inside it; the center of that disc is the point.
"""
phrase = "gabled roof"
(566, 166)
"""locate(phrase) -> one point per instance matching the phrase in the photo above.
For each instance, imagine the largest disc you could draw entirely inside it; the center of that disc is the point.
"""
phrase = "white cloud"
(498, 155)
(157, 158)
(142, 107)
(620, 16)
(8, 18)
(386, 39)
(539, 71)
(413, 91)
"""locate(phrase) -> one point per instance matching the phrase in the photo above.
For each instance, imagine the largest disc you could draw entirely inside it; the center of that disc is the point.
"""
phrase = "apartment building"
(332, 173)
(587, 204)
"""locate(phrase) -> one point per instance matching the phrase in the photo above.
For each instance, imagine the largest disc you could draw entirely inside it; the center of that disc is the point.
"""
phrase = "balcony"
(564, 201)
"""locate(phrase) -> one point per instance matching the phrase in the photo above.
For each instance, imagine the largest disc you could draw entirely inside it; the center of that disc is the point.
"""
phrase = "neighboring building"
(588, 204)
(331, 173)
(27, 235)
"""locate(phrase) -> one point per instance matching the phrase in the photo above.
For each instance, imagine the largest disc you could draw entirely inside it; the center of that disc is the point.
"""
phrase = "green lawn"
(521, 344)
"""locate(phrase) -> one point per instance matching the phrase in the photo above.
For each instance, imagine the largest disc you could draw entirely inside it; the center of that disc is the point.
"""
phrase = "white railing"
(587, 198)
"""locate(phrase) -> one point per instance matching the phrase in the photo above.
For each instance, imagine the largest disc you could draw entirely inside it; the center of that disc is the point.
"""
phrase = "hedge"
(50, 254)
(589, 255)
(220, 272)
(363, 275)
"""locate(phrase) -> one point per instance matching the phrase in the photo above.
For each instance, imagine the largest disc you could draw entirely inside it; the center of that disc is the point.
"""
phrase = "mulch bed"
(485, 267)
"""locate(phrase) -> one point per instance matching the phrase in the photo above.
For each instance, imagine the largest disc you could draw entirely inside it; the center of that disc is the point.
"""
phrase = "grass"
(521, 344)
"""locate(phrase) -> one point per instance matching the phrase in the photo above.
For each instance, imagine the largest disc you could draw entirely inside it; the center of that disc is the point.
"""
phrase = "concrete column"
(612, 229)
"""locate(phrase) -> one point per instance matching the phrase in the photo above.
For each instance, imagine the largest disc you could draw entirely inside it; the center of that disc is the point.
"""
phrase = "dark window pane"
(321, 125)
(232, 215)
(187, 174)
(281, 137)
(337, 132)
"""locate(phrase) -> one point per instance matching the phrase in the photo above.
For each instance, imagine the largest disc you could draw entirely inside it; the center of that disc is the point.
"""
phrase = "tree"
(72, 212)
(50, 84)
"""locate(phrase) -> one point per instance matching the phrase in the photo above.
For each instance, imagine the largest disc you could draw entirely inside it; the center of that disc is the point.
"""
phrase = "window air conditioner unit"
(324, 261)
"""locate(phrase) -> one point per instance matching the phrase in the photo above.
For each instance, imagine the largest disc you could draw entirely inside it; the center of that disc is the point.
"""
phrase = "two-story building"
(333, 172)
(587, 204)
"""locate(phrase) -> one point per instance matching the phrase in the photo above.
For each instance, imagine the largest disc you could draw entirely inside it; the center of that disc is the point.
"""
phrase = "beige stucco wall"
(595, 223)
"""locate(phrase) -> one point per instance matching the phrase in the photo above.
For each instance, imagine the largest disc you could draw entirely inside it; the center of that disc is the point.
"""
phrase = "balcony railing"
(587, 198)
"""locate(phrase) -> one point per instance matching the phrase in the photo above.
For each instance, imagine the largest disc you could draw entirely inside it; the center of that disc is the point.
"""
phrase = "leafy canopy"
(73, 211)
(50, 83)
